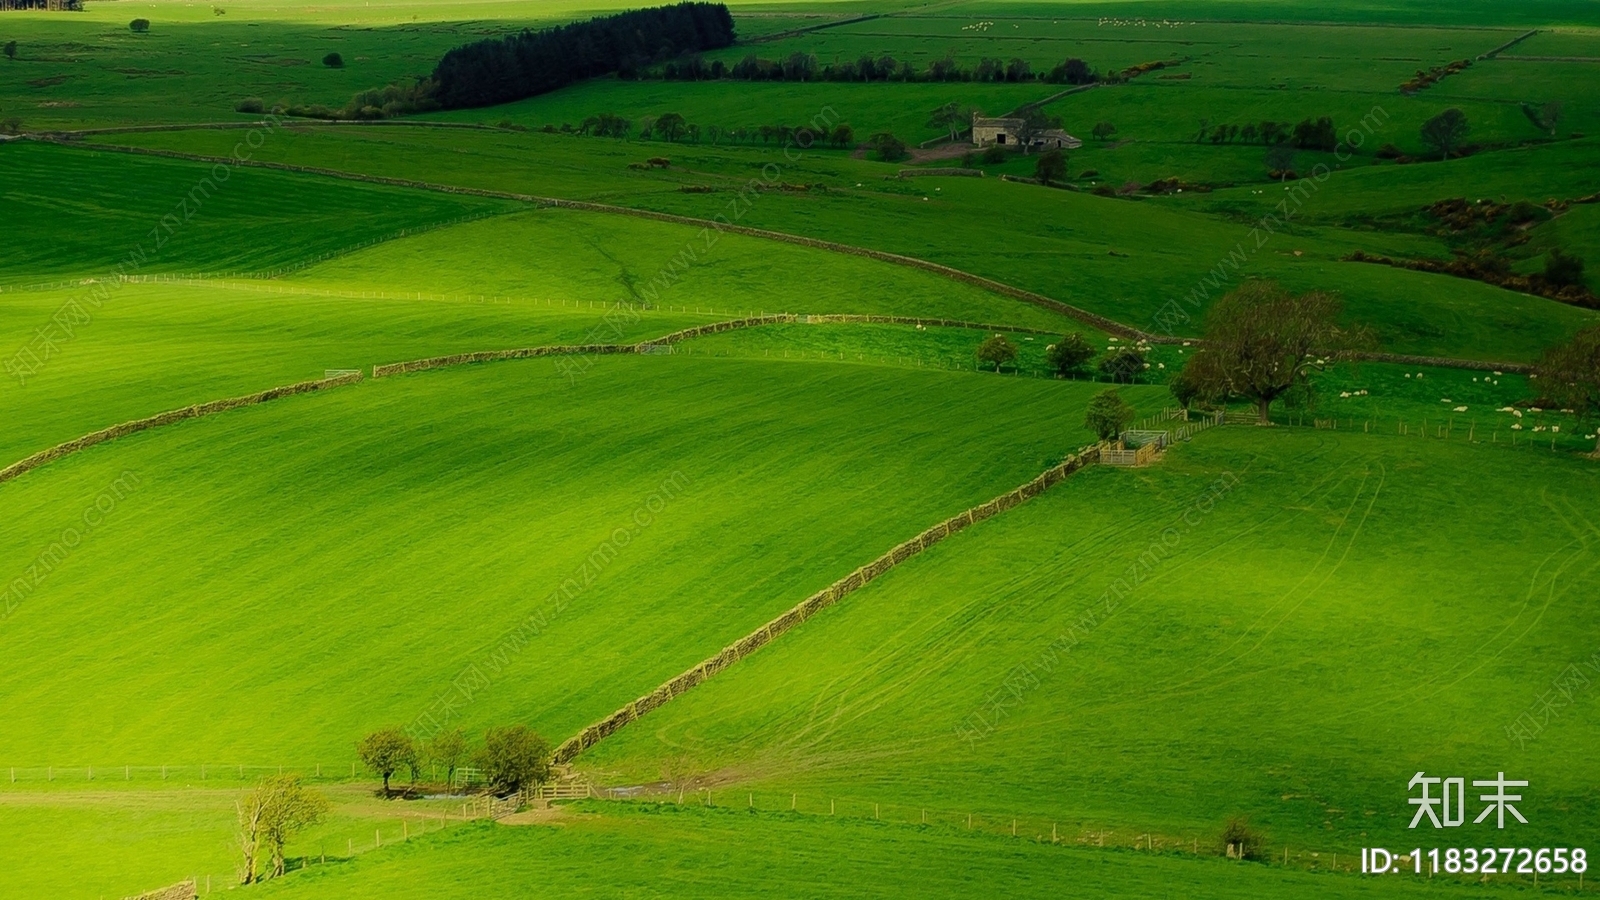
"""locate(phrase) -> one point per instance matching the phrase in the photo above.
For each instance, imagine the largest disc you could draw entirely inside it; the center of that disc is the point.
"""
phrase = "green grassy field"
(1329, 592)
(1064, 245)
(556, 469)
(1362, 602)
(611, 850)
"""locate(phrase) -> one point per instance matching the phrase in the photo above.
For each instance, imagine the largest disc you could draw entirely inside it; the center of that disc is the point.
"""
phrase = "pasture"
(1163, 650)
(1278, 625)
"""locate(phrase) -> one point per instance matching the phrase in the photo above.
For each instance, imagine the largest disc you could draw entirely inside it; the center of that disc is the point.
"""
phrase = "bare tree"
(953, 117)
(270, 816)
(1261, 342)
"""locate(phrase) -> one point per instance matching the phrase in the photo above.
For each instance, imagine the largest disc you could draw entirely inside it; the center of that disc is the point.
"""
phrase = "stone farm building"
(1003, 131)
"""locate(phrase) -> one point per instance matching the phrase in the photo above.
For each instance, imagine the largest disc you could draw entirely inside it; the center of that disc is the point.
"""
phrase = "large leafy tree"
(448, 749)
(513, 757)
(997, 351)
(1446, 131)
(1070, 354)
(1569, 374)
(386, 751)
(1107, 414)
(1261, 342)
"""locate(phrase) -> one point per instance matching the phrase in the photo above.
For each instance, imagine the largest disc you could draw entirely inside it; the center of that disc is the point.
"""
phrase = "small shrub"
(333, 61)
(1523, 212)
(139, 26)
(1123, 364)
(1240, 841)
(887, 147)
(659, 162)
(1563, 270)
(1089, 173)
(250, 105)
(11, 49)
(969, 160)
(1050, 167)
(994, 154)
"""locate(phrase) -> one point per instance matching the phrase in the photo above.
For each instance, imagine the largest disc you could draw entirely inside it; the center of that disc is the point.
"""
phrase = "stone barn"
(1003, 132)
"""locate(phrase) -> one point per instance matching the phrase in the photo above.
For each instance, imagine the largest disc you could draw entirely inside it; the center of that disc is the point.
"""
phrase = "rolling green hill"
(1157, 651)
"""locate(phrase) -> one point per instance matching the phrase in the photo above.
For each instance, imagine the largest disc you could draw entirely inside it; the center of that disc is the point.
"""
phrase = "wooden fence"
(1116, 455)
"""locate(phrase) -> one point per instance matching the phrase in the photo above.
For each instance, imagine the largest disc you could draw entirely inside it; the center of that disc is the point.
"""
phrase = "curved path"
(1108, 325)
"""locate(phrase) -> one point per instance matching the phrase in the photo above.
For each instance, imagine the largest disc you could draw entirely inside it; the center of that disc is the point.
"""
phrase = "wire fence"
(1034, 828)
(1532, 431)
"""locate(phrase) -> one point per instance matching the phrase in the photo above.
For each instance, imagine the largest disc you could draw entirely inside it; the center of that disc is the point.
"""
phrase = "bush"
(250, 105)
(1089, 173)
(887, 147)
(514, 757)
(1050, 167)
(11, 125)
(1563, 270)
(1070, 354)
(1123, 364)
(997, 350)
(333, 61)
(139, 26)
(1240, 840)
(994, 154)
(1523, 212)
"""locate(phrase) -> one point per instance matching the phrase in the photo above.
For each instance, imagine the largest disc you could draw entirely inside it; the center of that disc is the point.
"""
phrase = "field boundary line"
(169, 417)
(796, 32)
(290, 121)
(1088, 318)
(1508, 44)
(1108, 325)
(819, 601)
(648, 345)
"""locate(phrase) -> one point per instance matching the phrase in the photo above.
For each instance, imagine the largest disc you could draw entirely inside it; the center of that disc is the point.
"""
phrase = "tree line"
(674, 128)
(499, 70)
(806, 67)
(1307, 134)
